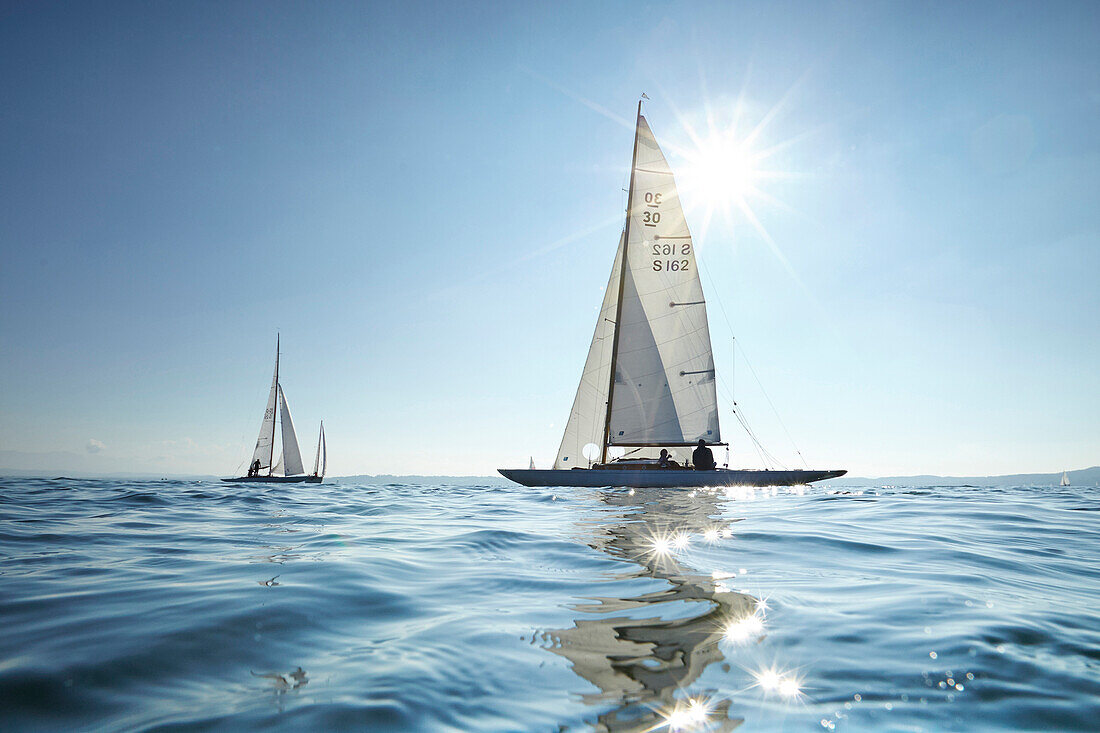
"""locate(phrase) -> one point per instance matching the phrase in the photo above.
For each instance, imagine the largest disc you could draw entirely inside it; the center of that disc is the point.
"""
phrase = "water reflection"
(644, 651)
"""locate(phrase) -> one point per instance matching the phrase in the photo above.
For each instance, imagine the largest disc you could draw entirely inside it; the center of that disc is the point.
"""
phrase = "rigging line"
(765, 453)
(755, 443)
(760, 384)
(770, 458)
(769, 399)
(748, 429)
(740, 418)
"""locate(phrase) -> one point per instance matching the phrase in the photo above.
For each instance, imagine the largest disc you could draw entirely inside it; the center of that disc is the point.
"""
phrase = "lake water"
(177, 604)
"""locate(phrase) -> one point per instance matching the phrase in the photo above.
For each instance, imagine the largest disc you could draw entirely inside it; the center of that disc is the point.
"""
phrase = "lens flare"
(741, 630)
(784, 684)
(689, 714)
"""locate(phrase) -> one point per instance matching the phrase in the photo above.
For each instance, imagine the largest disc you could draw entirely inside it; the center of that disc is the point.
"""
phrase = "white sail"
(1065, 479)
(586, 420)
(324, 451)
(265, 444)
(318, 469)
(292, 457)
(664, 390)
(277, 469)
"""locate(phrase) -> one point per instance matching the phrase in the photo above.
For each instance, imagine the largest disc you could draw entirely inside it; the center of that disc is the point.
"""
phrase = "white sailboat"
(1065, 479)
(649, 380)
(288, 468)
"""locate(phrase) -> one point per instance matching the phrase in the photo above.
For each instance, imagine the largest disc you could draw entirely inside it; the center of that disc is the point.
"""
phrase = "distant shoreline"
(1080, 477)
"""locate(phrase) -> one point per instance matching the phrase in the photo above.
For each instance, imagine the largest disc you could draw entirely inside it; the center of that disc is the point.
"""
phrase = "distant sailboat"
(1065, 479)
(320, 463)
(649, 381)
(288, 468)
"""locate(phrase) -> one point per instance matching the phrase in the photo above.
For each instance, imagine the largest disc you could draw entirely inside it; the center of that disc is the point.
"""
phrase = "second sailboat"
(289, 468)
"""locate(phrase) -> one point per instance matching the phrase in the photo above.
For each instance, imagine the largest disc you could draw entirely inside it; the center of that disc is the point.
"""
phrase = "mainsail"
(292, 457)
(652, 326)
(664, 380)
(1065, 479)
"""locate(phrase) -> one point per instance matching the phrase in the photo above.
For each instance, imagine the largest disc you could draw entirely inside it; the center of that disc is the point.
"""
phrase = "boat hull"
(276, 479)
(668, 478)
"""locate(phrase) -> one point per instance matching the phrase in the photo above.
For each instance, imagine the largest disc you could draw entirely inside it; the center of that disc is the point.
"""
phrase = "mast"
(271, 457)
(622, 283)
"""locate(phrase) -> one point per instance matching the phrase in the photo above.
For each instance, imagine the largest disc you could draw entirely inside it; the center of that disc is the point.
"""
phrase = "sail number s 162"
(670, 265)
(666, 260)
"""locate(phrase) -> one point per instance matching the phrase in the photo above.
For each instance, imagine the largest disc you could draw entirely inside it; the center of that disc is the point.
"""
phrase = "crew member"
(702, 458)
(665, 461)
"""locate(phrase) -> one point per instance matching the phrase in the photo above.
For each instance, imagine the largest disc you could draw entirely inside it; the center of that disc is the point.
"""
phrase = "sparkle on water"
(686, 715)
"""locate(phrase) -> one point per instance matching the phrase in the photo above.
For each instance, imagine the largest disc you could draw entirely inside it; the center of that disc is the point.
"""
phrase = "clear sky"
(425, 199)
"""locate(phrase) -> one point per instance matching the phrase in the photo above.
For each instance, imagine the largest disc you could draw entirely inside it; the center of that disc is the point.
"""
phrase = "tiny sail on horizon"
(320, 463)
(288, 468)
(648, 381)
(1065, 479)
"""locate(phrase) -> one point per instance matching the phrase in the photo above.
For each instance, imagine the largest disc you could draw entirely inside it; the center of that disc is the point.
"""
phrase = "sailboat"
(1065, 479)
(649, 380)
(288, 469)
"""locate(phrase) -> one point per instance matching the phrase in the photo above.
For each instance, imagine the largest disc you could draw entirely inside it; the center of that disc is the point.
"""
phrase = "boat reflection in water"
(644, 652)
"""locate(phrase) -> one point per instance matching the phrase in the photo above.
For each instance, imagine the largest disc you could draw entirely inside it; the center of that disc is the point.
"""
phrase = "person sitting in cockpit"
(665, 461)
(702, 458)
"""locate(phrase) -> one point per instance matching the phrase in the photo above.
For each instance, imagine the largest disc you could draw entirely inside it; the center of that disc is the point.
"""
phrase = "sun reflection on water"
(648, 650)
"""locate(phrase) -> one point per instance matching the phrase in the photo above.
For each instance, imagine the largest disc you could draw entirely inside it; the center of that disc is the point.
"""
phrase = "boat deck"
(663, 478)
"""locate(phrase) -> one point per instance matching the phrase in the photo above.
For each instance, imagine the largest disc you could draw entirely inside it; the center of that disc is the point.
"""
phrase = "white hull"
(657, 478)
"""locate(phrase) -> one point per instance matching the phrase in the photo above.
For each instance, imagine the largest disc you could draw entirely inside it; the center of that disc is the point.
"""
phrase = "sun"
(720, 172)
(728, 168)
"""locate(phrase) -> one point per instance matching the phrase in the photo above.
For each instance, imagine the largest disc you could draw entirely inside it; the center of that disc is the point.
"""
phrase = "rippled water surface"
(407, 607)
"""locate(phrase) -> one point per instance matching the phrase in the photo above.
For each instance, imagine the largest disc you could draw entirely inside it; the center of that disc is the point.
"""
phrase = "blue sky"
(425, 199)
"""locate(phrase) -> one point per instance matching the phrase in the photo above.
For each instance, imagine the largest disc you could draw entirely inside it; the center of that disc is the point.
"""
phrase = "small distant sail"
(319, 461)
(532, 466)
(1065, 479)
(292, 457)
